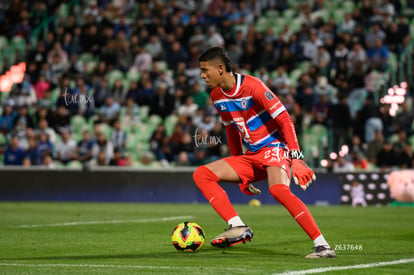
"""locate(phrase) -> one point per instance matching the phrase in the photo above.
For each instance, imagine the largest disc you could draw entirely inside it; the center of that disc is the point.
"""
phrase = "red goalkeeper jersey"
(256, 112)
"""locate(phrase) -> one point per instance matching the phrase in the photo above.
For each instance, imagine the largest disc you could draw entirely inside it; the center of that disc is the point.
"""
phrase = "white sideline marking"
(334, 268)
(163, 219)
(123, 266)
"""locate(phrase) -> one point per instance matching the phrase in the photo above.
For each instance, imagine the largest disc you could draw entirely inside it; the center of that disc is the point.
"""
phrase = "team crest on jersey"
(244, 103)
(269, 95)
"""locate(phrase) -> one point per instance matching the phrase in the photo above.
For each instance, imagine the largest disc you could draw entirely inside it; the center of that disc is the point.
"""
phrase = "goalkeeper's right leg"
(207, 181)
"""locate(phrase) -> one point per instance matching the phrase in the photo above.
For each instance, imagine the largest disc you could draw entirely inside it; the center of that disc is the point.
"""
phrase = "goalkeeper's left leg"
(296, 208)
(280, 190)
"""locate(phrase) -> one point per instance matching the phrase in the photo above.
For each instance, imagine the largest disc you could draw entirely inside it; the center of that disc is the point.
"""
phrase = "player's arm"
(302, 174)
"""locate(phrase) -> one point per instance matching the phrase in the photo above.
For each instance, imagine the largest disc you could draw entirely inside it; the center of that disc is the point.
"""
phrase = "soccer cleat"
(322, 252)
(233, 236)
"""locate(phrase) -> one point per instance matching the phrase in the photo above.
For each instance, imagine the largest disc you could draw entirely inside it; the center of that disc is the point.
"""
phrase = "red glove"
(249, 189)
(302, 174)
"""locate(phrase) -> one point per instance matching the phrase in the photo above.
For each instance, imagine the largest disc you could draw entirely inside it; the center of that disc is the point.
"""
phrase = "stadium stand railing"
(41, 31)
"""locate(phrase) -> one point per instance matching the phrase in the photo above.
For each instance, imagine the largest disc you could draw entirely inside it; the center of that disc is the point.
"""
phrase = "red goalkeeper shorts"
(251, 166)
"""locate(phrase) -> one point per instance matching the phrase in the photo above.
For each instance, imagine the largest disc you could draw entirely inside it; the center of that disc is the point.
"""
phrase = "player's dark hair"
(217, 53)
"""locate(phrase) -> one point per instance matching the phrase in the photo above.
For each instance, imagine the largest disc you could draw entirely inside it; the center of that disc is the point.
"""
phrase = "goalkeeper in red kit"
(253, 116)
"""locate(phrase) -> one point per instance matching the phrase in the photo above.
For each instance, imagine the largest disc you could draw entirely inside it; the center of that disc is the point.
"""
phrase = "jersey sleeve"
(271, 103)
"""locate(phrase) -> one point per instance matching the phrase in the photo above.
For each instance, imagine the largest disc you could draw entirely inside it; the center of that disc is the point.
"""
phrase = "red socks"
(296, 208)
(207, 182)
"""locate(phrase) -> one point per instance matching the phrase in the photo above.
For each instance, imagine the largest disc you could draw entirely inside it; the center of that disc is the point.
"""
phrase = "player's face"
(210, 73)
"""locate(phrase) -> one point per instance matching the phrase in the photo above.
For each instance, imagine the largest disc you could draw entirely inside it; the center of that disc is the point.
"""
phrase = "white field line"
(334, 268)
(148, 220)
(154, 267)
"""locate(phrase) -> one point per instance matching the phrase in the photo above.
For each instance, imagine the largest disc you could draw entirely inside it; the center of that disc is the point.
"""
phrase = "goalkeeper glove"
(249, 189)
(302, 174)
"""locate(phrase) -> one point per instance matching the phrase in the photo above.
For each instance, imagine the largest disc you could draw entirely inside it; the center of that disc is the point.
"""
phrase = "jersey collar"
(233, 91)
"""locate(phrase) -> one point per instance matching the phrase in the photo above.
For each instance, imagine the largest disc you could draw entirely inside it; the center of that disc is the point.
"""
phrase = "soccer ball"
(255, 202)
(188, 237)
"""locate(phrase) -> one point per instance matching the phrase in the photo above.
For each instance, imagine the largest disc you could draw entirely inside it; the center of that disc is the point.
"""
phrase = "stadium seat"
(294, 25)
(261, 24)
(106, 129)
(77, 136)
(294, 76)
(161, 65)
(393, 61)
(58, 139)
(305, 66)
(330, 5)
(292, 4)
(289, 13)
(63, 12)
(144, 132)
(144, 112)
(318, 130)
(154, 120)
(311, 150)
(308, 156)
(86, 57)
(271, 14)
(371, 166)
(348, 6)
(142, 147)
(78, 123)
(133, 75)
(317, 139)
(277, 28)
(411, 140)
(4, 43)
(393, 138)
(113, 76)
(245, 71)
(75, 164)
(169, 123)
(59, 165)
(153, 164)
(18, 44)
(131, 142)
(277, 22)
(321, 13)
(3, 140)
(122, 113)
(132, 14)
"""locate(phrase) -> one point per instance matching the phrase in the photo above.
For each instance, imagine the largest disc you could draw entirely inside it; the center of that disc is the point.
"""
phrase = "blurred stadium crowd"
(116, 82)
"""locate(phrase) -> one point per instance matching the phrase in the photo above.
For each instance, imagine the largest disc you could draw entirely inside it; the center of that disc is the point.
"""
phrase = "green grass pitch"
(134, 238)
